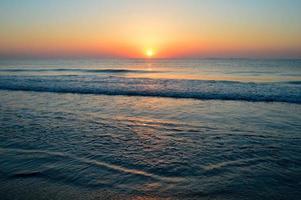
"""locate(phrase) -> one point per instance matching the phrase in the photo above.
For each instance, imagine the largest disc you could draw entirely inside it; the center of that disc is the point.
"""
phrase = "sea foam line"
(93, 162)
(171, 88)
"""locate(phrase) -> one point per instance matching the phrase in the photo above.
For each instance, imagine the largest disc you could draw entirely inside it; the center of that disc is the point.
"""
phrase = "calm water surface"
(135, 129)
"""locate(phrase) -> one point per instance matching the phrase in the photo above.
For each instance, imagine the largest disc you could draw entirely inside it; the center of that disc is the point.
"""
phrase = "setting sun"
(149, 53)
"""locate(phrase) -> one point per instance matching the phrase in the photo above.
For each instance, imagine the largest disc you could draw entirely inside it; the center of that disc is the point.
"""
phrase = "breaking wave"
(174, 88)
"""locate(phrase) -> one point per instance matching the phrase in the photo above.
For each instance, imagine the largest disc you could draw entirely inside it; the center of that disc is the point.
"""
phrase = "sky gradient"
(133, 28)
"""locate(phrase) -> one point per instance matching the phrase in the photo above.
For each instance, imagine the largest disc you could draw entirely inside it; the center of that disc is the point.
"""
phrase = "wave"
(82, 160)
(294, 82)
(173, 88)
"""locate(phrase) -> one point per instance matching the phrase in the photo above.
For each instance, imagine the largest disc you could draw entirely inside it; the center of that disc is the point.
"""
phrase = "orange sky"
(130, 28)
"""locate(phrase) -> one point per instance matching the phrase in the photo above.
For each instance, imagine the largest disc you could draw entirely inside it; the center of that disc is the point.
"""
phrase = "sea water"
(159, 128)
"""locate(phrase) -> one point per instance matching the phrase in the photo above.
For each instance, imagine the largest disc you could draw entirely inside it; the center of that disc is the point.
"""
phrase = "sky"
(150, 28)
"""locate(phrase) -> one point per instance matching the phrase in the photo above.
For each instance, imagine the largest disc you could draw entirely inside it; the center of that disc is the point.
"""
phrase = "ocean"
(150, 129)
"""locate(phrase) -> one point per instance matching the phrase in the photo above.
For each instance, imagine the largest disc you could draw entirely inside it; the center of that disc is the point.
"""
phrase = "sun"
(149, 53)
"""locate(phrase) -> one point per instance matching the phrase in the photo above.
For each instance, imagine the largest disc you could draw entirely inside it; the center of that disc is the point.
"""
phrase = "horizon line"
(144, 58)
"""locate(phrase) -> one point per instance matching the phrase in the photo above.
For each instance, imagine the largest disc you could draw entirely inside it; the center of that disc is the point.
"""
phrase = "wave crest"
(196, 89)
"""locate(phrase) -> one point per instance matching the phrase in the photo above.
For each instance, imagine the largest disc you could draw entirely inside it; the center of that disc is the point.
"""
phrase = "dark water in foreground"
(57, 142)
